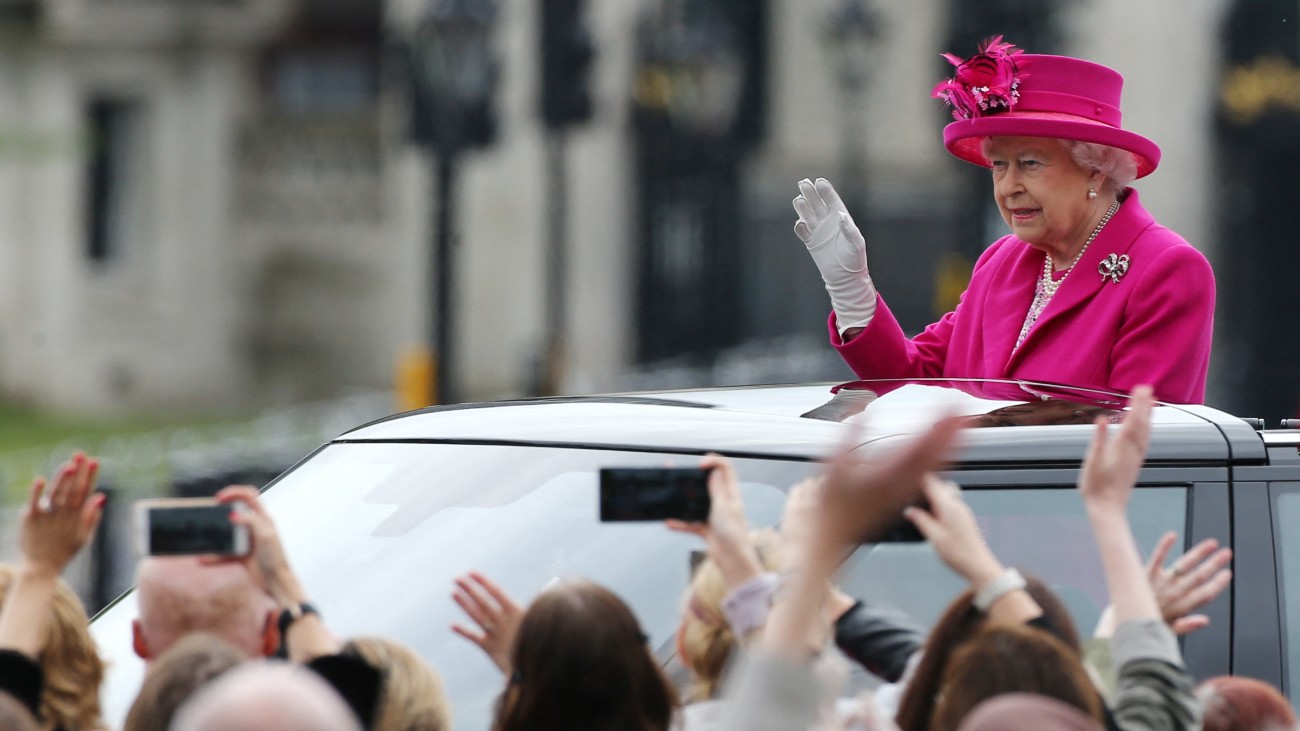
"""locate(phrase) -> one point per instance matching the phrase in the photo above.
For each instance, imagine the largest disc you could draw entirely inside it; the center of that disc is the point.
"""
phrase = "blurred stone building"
(214, 203)
(198, 206)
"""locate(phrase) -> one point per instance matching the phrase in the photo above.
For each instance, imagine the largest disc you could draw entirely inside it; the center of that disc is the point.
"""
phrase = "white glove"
(838, 249)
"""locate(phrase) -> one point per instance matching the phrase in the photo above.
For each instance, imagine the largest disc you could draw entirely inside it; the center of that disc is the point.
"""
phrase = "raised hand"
(1191, 581)
(858, 501)
(726, 534)
(61, 517)
(1107, 479)
(496, 615)
(855, 502)
(307, 637)
(838, 249)
(266, 559)
(798, 516)
(949, 525)
(1111, 467)
(59, 520)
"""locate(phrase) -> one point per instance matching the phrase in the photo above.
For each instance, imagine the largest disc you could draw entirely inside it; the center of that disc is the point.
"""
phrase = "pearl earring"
(1091, 194)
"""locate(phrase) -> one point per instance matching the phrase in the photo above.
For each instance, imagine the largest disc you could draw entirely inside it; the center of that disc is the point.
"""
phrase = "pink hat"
(1002, 91)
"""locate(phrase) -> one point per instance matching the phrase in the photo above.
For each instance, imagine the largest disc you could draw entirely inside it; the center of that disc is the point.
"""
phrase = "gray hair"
(1118, 166)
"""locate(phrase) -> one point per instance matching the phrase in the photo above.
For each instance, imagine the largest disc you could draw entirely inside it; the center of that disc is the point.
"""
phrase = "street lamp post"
(851, 33)
(689, 86)
(454, 74)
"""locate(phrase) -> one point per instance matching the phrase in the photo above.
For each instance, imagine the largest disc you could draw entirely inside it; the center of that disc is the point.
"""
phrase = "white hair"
(266, 694)
(1119, 167)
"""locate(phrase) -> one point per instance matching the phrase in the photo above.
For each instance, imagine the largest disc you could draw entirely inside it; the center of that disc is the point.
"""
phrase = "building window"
(116, 146)
(325, 80)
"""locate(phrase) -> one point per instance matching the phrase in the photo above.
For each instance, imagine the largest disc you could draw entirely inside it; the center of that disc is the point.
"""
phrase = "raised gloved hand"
(838, 249)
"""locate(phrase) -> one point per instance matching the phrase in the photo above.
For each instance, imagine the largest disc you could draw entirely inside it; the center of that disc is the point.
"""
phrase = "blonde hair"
(412, 696)
(71, 663)
(705, 637)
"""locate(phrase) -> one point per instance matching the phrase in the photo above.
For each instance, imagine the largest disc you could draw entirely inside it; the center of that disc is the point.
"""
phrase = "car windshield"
(378, 531)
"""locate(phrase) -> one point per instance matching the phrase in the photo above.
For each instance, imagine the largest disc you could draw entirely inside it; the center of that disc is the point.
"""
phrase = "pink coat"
(1152, 327)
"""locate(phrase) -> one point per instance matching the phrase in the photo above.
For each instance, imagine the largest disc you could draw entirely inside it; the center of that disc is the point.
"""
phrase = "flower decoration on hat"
(986, 83)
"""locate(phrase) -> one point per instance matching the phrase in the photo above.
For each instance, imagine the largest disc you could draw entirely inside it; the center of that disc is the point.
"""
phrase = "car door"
(1266, 565)
(1284, 498)
(1034, 519)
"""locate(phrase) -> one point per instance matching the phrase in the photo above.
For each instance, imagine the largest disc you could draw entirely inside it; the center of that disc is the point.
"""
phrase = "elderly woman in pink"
(1087, 289)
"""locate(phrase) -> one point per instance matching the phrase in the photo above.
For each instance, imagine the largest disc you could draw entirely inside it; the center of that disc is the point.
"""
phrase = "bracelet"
(1006, 582)
(293, 613)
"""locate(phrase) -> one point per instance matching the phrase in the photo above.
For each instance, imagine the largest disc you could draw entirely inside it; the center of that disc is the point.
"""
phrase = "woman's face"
(1042, 193)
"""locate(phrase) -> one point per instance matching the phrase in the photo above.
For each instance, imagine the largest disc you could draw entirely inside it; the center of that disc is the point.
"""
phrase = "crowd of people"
(767, 638)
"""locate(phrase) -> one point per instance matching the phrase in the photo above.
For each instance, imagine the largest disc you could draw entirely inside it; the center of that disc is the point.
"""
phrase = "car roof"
(807, 421)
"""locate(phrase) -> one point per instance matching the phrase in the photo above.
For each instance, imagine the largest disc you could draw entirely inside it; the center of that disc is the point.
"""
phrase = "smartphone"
(189, 526)
(905, 531)
(654, 493)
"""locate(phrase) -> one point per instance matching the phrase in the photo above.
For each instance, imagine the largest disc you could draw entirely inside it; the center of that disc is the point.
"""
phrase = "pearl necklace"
(1047, 286)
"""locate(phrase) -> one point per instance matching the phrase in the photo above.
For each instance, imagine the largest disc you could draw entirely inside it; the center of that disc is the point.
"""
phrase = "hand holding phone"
(654, 494)
(188, 527)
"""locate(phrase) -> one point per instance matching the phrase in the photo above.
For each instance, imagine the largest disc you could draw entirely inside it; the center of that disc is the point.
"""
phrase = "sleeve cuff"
(746, 607)
(1145, 639)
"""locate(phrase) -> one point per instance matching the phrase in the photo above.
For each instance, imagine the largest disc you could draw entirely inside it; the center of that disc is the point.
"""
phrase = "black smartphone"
(186, 527)
(905, 531)
(654, 493)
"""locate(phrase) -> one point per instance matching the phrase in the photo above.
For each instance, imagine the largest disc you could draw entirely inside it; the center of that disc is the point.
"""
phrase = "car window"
(1044, 532)
(1286, 519)
(378, 531)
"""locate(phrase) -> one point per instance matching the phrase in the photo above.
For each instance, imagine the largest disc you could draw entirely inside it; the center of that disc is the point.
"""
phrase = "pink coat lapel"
(1084, 281)
(1005, 307)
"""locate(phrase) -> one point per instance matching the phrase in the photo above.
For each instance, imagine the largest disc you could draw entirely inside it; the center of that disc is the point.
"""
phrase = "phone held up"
(630, 494)
(905, 531)
(188, 527)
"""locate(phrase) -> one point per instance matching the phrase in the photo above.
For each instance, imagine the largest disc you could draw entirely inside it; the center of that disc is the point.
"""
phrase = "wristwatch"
(293, 613)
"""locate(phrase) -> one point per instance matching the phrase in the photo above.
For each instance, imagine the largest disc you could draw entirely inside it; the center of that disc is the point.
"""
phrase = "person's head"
(412, 696)
(959, 622)
(178, 595)
(1004, 659)
(580, 660)
(1062, 115)
(1052, 190)
(266, 694)
(704, 639)
(1026, 710)
(70, 660)
(175, 675)
(1243, 704)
